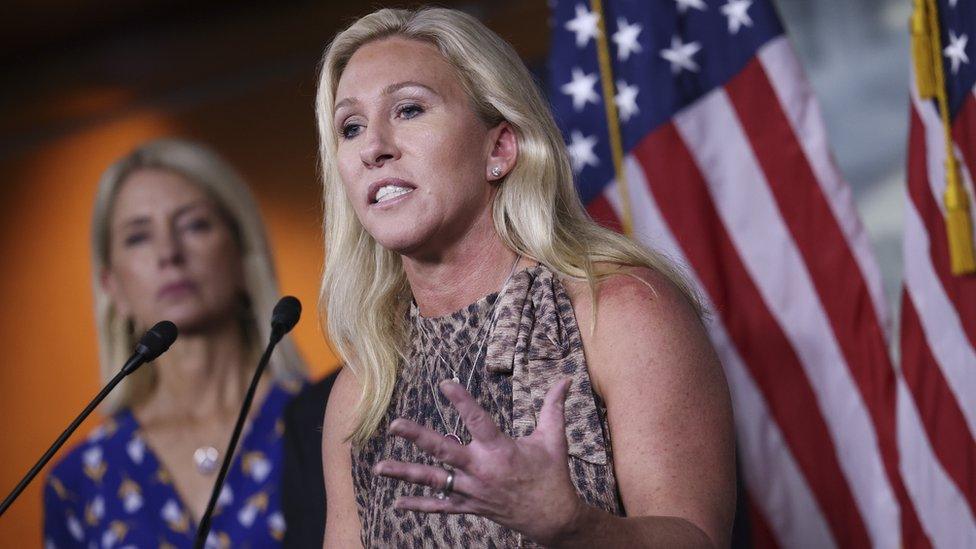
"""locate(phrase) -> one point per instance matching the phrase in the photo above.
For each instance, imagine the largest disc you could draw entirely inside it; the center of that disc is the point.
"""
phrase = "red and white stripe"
(937, 392)
(774, 481)
(740, 187)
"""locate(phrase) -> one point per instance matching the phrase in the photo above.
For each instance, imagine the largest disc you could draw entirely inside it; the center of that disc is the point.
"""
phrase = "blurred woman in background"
(176, 235)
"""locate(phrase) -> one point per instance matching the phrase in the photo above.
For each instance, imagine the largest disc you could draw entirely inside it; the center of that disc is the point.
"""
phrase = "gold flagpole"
(930, 80)
(613, 123)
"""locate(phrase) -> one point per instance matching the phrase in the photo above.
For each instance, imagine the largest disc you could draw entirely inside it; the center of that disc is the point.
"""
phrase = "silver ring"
(448, 486)
(449, 483)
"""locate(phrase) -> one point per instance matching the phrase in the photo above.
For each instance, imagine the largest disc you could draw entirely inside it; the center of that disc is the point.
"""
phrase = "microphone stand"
(152, 344)
(204, 527)
(60, 442)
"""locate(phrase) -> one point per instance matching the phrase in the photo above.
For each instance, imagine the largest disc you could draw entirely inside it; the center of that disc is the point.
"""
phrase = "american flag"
(727, 170)
(937, 392)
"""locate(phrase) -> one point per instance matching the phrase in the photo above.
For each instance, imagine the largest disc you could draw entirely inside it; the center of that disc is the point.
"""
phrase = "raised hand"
(523, 484)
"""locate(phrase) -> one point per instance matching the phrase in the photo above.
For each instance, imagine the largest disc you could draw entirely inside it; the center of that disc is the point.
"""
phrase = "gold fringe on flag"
(613, 122)
(922, 50)
(958, 222)
(930, 80)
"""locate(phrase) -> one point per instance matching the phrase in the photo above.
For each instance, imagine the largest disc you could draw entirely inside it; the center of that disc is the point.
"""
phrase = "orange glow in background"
(50, 354)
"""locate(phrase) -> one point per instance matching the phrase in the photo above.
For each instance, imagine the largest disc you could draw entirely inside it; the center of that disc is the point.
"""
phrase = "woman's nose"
(169, 250)
(379, 145)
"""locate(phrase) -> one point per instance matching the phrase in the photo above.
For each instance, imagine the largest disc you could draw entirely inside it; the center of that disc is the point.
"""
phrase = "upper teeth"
(388, 192)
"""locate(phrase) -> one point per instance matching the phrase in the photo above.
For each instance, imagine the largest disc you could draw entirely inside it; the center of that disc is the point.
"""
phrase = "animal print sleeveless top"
(535, 341)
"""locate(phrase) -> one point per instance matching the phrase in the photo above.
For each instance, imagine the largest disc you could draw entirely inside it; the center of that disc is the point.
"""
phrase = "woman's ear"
(504, 151)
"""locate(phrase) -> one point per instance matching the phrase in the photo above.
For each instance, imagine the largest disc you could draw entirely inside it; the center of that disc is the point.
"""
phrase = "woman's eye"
(134, 239)
(410, 111)
(198, 225)
(349, 131)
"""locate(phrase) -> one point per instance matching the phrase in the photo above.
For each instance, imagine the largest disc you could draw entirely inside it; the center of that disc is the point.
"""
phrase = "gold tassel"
(922, 44)
(959, 228)
(958, 223)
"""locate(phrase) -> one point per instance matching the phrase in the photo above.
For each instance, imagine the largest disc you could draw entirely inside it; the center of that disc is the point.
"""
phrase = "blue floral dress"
(112, 491)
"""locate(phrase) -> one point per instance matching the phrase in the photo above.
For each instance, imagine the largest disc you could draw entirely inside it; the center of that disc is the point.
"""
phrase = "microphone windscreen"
(157, 339)
(286, 313)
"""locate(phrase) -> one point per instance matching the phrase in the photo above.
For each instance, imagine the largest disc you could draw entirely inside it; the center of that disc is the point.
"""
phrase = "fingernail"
(444, 386)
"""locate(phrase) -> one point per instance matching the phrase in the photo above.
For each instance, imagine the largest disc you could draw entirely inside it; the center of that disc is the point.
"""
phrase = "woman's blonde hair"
(204, 168)
(536, 210)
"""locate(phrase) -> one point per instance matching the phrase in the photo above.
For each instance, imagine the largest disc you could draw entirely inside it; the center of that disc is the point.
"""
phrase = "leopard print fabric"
(535, 341)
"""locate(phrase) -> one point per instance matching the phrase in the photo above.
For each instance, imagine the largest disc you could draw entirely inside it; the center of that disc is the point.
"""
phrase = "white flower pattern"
(136, 449)
(113, 493)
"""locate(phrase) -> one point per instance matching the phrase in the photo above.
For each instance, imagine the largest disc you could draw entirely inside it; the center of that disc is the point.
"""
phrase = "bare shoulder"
(338, 425)
(630, 290)
(641, 318)
(342, 401)
(342, 524)
(346, 384)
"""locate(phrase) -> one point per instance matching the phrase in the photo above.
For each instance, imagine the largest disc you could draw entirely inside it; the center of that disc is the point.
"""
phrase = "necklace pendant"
(206, 458)
(456, 379)
(454, 437)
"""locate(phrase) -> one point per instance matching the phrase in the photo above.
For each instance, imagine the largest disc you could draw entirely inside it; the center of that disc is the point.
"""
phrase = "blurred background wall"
(83, 83)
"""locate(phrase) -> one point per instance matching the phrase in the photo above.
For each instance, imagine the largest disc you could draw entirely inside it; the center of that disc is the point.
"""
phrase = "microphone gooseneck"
(152, 344)
(283, 318)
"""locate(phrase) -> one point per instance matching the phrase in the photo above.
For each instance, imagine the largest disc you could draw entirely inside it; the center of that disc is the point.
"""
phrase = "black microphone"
(283, 319)
(152, 344)
(285, 315)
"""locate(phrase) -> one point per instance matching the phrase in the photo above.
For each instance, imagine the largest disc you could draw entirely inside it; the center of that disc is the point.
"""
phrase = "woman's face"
(172, 254)
(413, 154)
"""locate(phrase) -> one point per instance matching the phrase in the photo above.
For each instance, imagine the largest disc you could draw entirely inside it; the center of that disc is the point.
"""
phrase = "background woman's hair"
(202, 167)
(536, 211)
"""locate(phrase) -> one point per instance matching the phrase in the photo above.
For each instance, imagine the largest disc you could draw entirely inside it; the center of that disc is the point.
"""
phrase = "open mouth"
(389, 192)
(389, 188)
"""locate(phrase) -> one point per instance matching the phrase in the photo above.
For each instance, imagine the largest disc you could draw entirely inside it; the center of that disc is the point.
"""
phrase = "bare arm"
(670, 417)
(342, 525)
